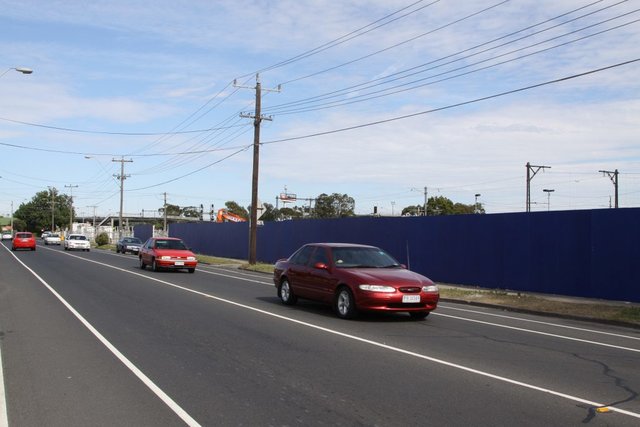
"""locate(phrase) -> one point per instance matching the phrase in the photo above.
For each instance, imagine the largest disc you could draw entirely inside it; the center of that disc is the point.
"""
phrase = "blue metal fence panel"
(588, 253)
(143, 231)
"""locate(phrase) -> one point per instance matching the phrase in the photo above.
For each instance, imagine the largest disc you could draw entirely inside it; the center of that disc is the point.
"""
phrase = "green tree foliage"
(441, 205)
(236, 209)
(334, 206)
(36, 213)
(192, 212)
(172, 210)
(412, 210)
(19, 224)
(102, 239)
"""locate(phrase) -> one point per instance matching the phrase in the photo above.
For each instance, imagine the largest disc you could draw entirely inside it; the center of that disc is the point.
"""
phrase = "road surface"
(88, 338)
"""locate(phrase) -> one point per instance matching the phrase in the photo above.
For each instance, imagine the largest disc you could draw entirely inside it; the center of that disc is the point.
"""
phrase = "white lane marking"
(133, 368)
(215, 273)
(4, 420)
(375, 343)
(502, 316)
(531, 331)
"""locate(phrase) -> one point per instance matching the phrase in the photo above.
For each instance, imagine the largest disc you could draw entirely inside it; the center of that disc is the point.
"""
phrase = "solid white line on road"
(137, 372)
(531, 331)
(375, 343)
(4, 421)
(557, 325)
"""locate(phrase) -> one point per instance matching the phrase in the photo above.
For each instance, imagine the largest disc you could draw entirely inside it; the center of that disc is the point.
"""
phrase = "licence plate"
(410, 298)
(179, 263)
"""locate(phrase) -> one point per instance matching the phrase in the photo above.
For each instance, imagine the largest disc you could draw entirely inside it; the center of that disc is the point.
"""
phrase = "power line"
(402, 87)
(371, 83)
(451, 106)
(342, 39)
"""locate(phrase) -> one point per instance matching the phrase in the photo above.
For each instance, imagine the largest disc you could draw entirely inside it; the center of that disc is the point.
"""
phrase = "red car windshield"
(355, 257)
(171, 244)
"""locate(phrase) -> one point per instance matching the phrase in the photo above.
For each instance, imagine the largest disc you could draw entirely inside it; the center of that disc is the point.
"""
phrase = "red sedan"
(353, 278)
(167, 253)
(23, 240)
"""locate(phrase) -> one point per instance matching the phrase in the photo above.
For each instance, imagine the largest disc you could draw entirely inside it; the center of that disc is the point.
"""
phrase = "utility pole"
(613, 176)
(531, 172)
(424, 207)
(53, 207)
(424, 212)
(12, 217)
(71, 187)
(257, 119)
(94, 217)
(121, 177)
(165, 213)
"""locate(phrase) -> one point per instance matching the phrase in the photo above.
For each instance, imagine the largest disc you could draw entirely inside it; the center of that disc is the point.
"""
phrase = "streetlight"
(476, 205)
(22, 70)
(548, 191)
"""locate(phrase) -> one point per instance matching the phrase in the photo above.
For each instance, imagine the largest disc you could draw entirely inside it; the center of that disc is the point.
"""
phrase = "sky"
(381, 100)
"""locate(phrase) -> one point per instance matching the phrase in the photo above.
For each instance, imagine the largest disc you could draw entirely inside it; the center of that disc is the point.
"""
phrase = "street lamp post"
(22, 70)
(548, 191)
(475, 207)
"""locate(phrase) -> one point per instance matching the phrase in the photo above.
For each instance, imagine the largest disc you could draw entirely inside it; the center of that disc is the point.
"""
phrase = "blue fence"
(590, 253)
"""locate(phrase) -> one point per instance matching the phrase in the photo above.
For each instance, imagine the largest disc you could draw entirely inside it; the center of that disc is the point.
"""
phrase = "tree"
(334, 206)
(172, 210)
(36, 214)
(412, 210)
(236, 209)
(191, 212)
(441, 205)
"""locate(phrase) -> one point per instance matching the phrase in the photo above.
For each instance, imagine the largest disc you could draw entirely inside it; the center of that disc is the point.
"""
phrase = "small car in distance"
(77, 241)
(6, 235)
(167, 253)
(353, 278)
(128, 244)
(23, 240)
(52, 239)
(45, 234)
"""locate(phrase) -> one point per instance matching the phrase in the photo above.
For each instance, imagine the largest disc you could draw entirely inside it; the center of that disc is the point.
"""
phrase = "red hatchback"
(353, 278)
(23, 240)
(167, 252)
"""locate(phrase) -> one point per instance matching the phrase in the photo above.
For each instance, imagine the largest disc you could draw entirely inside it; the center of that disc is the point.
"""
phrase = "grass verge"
(590, 309)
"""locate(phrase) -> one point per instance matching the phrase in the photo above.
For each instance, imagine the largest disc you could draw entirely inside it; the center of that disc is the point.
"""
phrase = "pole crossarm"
(532, 170)
(613, 176)
(121, 177)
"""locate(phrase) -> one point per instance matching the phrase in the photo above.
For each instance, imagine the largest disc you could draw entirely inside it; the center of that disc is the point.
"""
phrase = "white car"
(52, 239)
(6, 235)
(77, 241)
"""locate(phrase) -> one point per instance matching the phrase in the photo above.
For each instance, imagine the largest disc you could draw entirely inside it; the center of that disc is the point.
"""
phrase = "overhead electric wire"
(395, 45)
(351, 100)
(451, 106)
(342, 39)
(366, 85)
(194, 171)
(392, 90)
(406, 116)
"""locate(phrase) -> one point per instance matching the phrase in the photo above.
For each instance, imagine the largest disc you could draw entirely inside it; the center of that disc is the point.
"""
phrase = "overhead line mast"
(257, 119)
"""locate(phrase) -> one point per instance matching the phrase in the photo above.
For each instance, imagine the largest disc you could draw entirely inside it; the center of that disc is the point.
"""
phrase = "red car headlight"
(430, 288)
(377, 288)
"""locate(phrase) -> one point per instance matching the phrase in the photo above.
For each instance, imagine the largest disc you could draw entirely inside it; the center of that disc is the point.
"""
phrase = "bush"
(102, 239)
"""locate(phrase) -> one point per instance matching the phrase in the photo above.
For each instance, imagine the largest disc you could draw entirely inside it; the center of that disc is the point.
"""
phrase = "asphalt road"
(88, 338)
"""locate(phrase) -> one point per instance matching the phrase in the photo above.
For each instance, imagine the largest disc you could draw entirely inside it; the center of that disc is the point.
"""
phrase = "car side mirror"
(320, 266)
